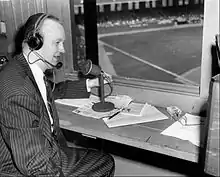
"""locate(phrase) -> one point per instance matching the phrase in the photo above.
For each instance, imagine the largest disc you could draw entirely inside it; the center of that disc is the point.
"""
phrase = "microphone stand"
(102, 106)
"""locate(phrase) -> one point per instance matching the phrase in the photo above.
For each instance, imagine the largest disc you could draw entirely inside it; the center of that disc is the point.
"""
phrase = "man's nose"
(61, 48)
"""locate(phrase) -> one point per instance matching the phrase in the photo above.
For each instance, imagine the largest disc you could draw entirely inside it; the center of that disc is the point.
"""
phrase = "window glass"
(158, 40)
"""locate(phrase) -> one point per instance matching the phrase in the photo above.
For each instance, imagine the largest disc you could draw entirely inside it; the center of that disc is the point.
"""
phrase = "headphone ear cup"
(35, 42)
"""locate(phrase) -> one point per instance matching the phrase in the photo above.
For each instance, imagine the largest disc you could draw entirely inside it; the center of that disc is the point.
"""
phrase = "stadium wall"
(116, 5)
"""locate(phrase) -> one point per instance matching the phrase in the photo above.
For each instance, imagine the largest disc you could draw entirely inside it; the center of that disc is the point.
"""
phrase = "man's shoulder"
(12, 75)
(10, 70)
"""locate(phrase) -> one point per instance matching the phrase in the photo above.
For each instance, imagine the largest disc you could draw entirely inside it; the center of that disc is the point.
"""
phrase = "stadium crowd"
(134, 21)
(111, 22)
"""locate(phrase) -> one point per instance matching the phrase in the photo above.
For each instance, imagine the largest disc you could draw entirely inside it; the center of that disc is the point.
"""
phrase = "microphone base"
(103, 106)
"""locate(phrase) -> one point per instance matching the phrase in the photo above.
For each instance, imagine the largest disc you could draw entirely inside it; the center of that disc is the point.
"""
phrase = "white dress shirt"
(39, 78)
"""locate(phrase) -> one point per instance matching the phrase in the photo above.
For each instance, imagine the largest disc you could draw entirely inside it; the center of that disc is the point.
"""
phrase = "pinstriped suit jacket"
(27, 145)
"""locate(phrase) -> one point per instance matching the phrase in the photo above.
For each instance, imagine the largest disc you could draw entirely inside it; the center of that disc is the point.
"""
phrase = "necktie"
(49, 97)
(50, 107)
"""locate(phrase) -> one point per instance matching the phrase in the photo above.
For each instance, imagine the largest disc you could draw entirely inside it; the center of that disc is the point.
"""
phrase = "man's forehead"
(50, 26)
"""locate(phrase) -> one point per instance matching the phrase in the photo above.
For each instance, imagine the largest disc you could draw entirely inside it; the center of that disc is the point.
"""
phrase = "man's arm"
(78, 88)
(71, 89)
(27, 135)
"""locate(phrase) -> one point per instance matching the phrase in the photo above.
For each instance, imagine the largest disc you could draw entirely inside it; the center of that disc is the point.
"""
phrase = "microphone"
(86, 67)
(102, 106)
(57, 66)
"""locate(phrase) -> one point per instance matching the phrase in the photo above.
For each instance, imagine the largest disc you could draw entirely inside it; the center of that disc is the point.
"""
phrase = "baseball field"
(165, 54)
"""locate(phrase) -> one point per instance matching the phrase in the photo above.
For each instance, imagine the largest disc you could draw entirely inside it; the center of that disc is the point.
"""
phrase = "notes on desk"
(132, 113)
(190, 131)
(148, 114)
(134, 109)
(120, 101)
(73, 102)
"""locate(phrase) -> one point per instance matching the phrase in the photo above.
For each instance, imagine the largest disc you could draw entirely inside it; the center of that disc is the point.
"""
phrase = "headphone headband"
(35, 40)
(39, 22)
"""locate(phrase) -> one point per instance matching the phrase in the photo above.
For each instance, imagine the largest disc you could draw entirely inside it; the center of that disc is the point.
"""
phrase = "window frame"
(177, 92)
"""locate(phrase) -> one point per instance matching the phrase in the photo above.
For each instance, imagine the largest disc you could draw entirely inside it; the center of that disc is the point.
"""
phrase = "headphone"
(35, 39)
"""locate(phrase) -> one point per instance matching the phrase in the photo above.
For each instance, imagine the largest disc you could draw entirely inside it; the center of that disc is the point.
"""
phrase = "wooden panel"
(2, 12)
(16, 8)
(212, 150)
(61, 9)
(16, 12)
(25, 10)
(32, 7)
(8, 18)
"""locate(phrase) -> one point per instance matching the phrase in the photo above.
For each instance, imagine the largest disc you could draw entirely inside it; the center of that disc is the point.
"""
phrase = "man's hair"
(30, 25)
(26, 29)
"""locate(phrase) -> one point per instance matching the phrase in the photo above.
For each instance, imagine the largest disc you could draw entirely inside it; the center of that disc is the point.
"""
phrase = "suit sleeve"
(31, 150)
(71, 89)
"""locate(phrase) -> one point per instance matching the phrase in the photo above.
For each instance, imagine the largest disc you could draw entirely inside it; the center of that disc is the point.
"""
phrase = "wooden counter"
(144, 136)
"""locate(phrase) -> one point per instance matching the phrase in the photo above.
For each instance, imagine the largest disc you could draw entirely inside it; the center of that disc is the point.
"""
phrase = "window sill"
(158, 86)
(160, 94)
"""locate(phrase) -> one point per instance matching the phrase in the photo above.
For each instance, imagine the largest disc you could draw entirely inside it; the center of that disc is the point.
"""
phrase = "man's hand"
(95, 82)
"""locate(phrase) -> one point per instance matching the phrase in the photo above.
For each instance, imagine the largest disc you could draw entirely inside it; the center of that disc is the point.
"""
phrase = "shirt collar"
(36, 70)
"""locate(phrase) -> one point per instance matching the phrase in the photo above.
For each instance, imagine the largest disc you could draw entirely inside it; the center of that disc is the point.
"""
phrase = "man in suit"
(31, 142)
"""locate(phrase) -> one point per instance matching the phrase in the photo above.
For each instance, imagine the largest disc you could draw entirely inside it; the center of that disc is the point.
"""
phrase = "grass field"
(163, 55)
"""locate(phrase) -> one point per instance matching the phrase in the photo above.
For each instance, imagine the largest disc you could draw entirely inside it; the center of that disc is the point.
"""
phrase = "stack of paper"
(130, 112)
(190, 131)
(148, 114)
(134, 109)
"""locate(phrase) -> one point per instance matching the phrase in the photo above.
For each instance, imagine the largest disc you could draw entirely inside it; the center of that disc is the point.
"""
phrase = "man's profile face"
(53, 41)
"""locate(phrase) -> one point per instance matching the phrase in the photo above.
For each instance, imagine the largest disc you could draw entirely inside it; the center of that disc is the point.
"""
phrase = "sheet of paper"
(150, 114)
(73, 102)
(134, 109)
(190, 133)
(120, 101)
(193, 120)
(78, 102)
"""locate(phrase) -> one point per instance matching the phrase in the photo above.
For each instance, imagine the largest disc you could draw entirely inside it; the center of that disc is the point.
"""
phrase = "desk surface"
(144, 136)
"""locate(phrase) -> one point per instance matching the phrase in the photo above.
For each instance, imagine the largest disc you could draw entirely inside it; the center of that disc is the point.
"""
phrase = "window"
(154, 40)
(160, 43)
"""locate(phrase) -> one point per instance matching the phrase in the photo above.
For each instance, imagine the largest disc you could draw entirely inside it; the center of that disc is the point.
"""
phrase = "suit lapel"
(26, 69)
(29, 74)
(45, 122)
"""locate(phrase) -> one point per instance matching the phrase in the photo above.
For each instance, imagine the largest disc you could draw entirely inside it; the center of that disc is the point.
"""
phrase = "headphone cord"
(109, 84)
(28, 59)
(53, 81)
